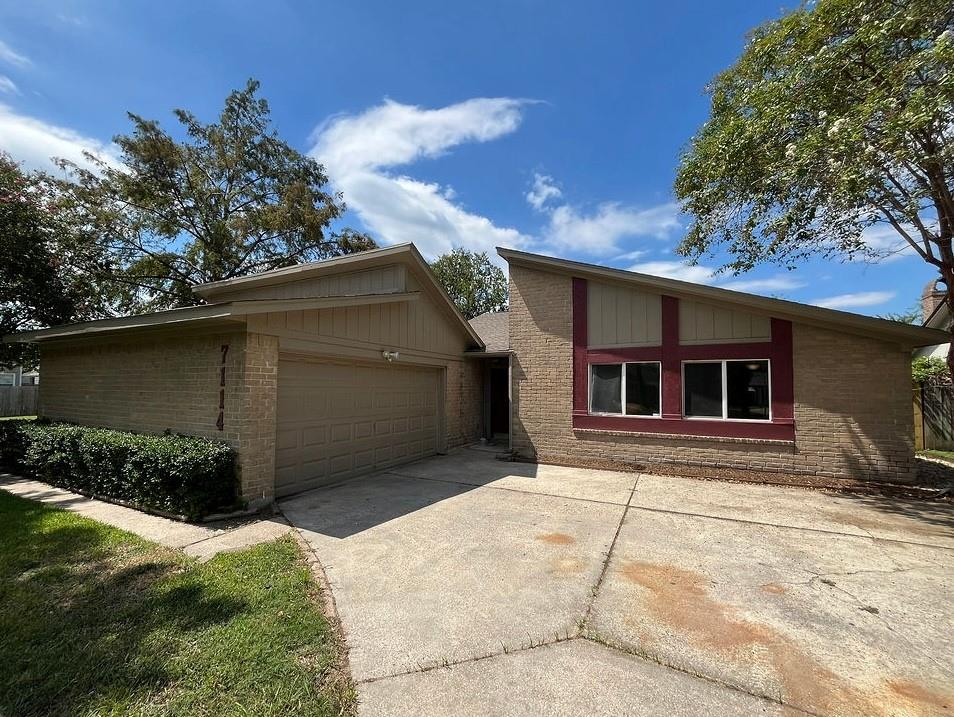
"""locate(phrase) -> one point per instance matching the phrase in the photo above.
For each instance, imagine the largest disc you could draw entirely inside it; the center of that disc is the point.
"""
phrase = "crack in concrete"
(424, 668)
(598, 639)
(594, 591)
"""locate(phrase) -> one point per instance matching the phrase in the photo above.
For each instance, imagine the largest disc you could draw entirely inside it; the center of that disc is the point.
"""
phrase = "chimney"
(932, 297)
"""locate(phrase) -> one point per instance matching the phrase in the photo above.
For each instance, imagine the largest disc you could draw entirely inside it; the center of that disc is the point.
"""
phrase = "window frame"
(725, 393)
(623, 365)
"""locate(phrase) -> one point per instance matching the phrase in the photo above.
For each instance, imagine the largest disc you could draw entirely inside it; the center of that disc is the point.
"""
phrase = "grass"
(95, 621)
(15, 418)
(942, 455)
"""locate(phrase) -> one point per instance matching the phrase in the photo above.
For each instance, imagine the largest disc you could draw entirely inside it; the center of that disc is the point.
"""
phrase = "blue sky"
(548, 126)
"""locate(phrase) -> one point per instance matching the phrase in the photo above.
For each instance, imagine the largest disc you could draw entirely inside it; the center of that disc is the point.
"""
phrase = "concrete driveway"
(471, 586)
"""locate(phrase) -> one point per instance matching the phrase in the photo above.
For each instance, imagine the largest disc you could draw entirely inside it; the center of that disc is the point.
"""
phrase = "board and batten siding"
(391, 279)
(701, 323)
(622, 316)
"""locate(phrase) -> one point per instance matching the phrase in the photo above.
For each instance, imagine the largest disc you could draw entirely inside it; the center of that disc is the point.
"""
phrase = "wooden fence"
(934, 417)
(18, 400)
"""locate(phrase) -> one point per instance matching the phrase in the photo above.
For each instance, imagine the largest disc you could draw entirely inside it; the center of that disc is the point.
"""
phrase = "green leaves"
(230, 199)
(176, 474)
(474, 284)
(836, 117)
(37, 284)
(929, 369)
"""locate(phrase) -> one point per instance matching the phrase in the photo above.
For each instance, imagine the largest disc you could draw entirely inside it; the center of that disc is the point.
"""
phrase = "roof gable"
(906, 334)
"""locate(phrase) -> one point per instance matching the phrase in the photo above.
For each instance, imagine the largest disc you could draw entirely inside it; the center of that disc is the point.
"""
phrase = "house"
(17, 376)
(323, 371)
(935, 314)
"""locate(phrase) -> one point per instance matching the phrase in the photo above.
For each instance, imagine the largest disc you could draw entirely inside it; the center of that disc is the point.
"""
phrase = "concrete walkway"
(200, 541)
(470, 586)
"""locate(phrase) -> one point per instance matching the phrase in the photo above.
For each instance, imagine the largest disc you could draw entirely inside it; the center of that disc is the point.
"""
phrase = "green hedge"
(176, 474)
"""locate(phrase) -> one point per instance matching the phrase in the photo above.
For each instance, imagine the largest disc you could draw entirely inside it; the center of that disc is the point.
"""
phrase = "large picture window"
(733, 390)
(626, 389)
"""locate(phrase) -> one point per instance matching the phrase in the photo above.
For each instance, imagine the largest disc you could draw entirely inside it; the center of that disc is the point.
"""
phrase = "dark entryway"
(497, 400)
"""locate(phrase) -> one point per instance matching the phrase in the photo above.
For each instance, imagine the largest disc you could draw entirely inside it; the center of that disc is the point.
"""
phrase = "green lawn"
(942, 455)
(95, 621)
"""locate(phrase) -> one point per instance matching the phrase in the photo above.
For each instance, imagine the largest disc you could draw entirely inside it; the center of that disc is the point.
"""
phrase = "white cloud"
(34, 142)
(771, 284)
(856, 300)
(359, 150)
(12, 57)
(888, 243)
(631, 255)
(8, 86)
(676, 270)
(544, 189)
(599, 232)
(362, 152)
(393, 134)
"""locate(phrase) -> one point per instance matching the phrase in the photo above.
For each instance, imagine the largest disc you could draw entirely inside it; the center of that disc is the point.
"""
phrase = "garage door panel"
(338, 420)
(314, 435)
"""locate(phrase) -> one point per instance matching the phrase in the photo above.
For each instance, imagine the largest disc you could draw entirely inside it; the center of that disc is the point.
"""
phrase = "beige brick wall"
(171, 382)
(259, 405)
(463, 403)
(852, 412)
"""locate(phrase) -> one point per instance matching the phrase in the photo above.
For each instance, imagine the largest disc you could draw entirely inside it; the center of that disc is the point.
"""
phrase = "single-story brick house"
(320, 372)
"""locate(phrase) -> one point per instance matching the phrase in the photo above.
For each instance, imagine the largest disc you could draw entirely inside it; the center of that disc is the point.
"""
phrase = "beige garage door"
(337, 420)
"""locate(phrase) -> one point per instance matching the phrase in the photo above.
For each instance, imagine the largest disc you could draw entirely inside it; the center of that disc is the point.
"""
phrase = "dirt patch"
(680, 599)
(556, 538)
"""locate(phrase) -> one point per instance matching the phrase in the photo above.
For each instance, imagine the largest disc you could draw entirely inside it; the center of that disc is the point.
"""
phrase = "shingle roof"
(493, 328)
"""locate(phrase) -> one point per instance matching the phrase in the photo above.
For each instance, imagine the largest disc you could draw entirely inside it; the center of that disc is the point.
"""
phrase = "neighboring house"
(935, 314)
(16, 376)
(324, 371)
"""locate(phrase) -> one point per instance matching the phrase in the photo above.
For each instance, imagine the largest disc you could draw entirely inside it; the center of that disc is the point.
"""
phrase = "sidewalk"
(200, 541)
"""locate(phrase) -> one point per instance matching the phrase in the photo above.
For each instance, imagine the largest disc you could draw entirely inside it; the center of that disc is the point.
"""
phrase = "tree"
(929, 369)
(229, 200)
(474, 284)
(910, 315)
(38, 284)
(837, 120)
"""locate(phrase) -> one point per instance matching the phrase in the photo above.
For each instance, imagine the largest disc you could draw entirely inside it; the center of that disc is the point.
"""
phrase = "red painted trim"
(783, 379)
(580, 340)
(702, 352)
(671, 355)
(637, 353)
(775, 430)
(671, 368)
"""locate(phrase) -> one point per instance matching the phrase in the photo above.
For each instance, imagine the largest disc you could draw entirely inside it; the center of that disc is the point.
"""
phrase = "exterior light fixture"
(390, 356)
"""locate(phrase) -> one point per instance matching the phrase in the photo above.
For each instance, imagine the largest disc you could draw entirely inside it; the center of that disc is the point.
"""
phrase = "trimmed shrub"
(12, 442)
(176, 474)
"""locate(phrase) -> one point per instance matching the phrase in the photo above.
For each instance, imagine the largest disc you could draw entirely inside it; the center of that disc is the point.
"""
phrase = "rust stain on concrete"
(556, 538)
(922, 698)
(679, 598)
(774, 589)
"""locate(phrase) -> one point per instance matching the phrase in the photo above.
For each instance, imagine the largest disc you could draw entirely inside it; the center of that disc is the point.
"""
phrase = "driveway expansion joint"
(594, 591)
(594, 637)
(449, 664)
(867, 536)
